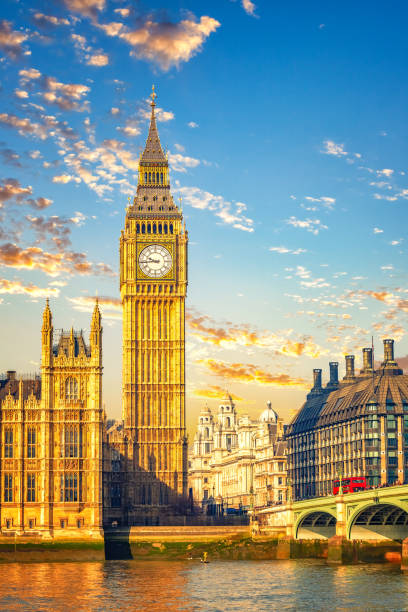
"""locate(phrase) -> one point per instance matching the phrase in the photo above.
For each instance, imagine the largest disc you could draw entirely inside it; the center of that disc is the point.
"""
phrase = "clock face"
(155, 261)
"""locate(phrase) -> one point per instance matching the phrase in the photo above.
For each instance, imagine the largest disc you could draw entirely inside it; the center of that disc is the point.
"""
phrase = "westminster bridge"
(372, 514)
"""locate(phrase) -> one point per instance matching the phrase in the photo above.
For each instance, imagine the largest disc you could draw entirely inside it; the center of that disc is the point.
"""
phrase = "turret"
(95, 337)
(46, 336)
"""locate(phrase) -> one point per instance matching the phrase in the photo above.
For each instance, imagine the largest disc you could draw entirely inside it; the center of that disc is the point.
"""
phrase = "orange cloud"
(204, 328)
(215, 392)
(16, 287)
(87, 8)
(250, 373)
(10, 40)
(111, 307)
(53, 264)
(166, 44)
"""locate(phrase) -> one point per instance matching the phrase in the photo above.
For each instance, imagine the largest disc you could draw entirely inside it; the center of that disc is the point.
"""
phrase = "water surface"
(219, 586)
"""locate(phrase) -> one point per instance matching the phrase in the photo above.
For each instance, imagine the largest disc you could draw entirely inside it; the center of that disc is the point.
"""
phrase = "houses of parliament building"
(62, 471)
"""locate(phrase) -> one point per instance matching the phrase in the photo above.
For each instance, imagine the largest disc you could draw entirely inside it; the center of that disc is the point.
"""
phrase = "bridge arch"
(316, 525)
(379, 521)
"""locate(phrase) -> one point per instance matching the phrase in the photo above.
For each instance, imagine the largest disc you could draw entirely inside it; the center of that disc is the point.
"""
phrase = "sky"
(286, 129)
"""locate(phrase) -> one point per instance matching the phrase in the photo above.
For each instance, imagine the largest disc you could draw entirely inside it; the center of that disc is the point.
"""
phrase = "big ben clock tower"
(153, 285)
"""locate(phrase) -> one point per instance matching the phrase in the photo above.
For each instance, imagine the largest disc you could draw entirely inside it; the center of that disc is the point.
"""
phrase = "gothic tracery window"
(71, 388)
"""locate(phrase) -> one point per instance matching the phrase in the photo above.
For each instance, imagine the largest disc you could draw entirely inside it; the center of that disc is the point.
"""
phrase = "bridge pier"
(341, 522)
(404, 555)
(340, 550)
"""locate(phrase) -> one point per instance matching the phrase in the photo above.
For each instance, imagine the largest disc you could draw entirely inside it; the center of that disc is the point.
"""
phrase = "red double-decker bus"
(350, 485)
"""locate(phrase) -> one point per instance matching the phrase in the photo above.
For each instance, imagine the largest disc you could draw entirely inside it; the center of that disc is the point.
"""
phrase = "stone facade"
(146, 455)
(51, 431)
(357, 427)
(237, 463)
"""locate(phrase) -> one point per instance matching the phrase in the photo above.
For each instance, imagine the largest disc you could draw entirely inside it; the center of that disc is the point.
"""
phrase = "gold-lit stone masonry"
(51, 433)
(153, 285)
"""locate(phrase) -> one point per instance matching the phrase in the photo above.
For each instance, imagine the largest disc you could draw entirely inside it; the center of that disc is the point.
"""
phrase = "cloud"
(29, 74)
(65, 178)
(11, 41)
(10, 189)
(229, 336)
(49, 21)
(180, 163)
(87, 8)
(385, 172)
(311, 225)
(192, 124)
(166, 44)
(10, 157)
(67, 96)
(111, 307)
(24, 126)
(283, 250)
(377, 230)
(215, 392)
(17, 288)
(56, 227)
(98, 59)
(379, 196)
(249, 7)
(231, 213)
(53, 264)
(250, 373)
(325, 200)
(332, 148)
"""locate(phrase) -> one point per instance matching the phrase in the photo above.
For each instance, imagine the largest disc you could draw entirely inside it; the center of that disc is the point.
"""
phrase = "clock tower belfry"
(153, 286)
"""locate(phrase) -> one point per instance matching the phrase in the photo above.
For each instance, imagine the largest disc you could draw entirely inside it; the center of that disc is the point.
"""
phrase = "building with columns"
(236, 462)
(354, 427)
(51, 431)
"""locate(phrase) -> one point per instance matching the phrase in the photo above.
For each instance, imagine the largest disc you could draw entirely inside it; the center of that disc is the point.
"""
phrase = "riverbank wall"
(191, 543)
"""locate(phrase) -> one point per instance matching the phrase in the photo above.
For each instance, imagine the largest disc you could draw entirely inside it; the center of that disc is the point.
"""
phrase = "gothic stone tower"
(153, 285)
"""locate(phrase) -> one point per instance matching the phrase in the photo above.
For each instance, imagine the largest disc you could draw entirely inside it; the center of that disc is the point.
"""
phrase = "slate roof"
(349, 401)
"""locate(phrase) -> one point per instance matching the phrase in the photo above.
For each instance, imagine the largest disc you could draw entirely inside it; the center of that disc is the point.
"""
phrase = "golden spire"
(153, 96)
(47, 317)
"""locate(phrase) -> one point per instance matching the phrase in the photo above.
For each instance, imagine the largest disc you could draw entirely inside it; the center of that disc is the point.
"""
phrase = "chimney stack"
(388, 351)
(317, 379)
(350, 375)
(367, 360)
(334, 374)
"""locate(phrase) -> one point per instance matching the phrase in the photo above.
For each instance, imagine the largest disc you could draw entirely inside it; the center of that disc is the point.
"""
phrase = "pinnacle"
(153, 152)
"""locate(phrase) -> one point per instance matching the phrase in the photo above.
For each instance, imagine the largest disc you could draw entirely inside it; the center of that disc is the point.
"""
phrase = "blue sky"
(286, 127)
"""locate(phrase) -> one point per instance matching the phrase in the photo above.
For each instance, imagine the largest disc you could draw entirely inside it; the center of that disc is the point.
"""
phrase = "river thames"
(218, 586)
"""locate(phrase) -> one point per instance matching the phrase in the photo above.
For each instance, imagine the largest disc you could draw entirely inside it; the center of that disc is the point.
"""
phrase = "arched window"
(145, 177)
(143, 229)
(153, 175)
(150, 177)
(154, 228)
(160, 228)
(161, 178)
(165, 228)
(71, 388)
(157, 177)
(154, 198)
(228, 422)
(171, 228)
(207, 432)
(138, 228)
(149, 228)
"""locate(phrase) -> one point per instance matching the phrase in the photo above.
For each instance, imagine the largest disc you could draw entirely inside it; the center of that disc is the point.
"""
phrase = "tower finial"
(153, 96)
